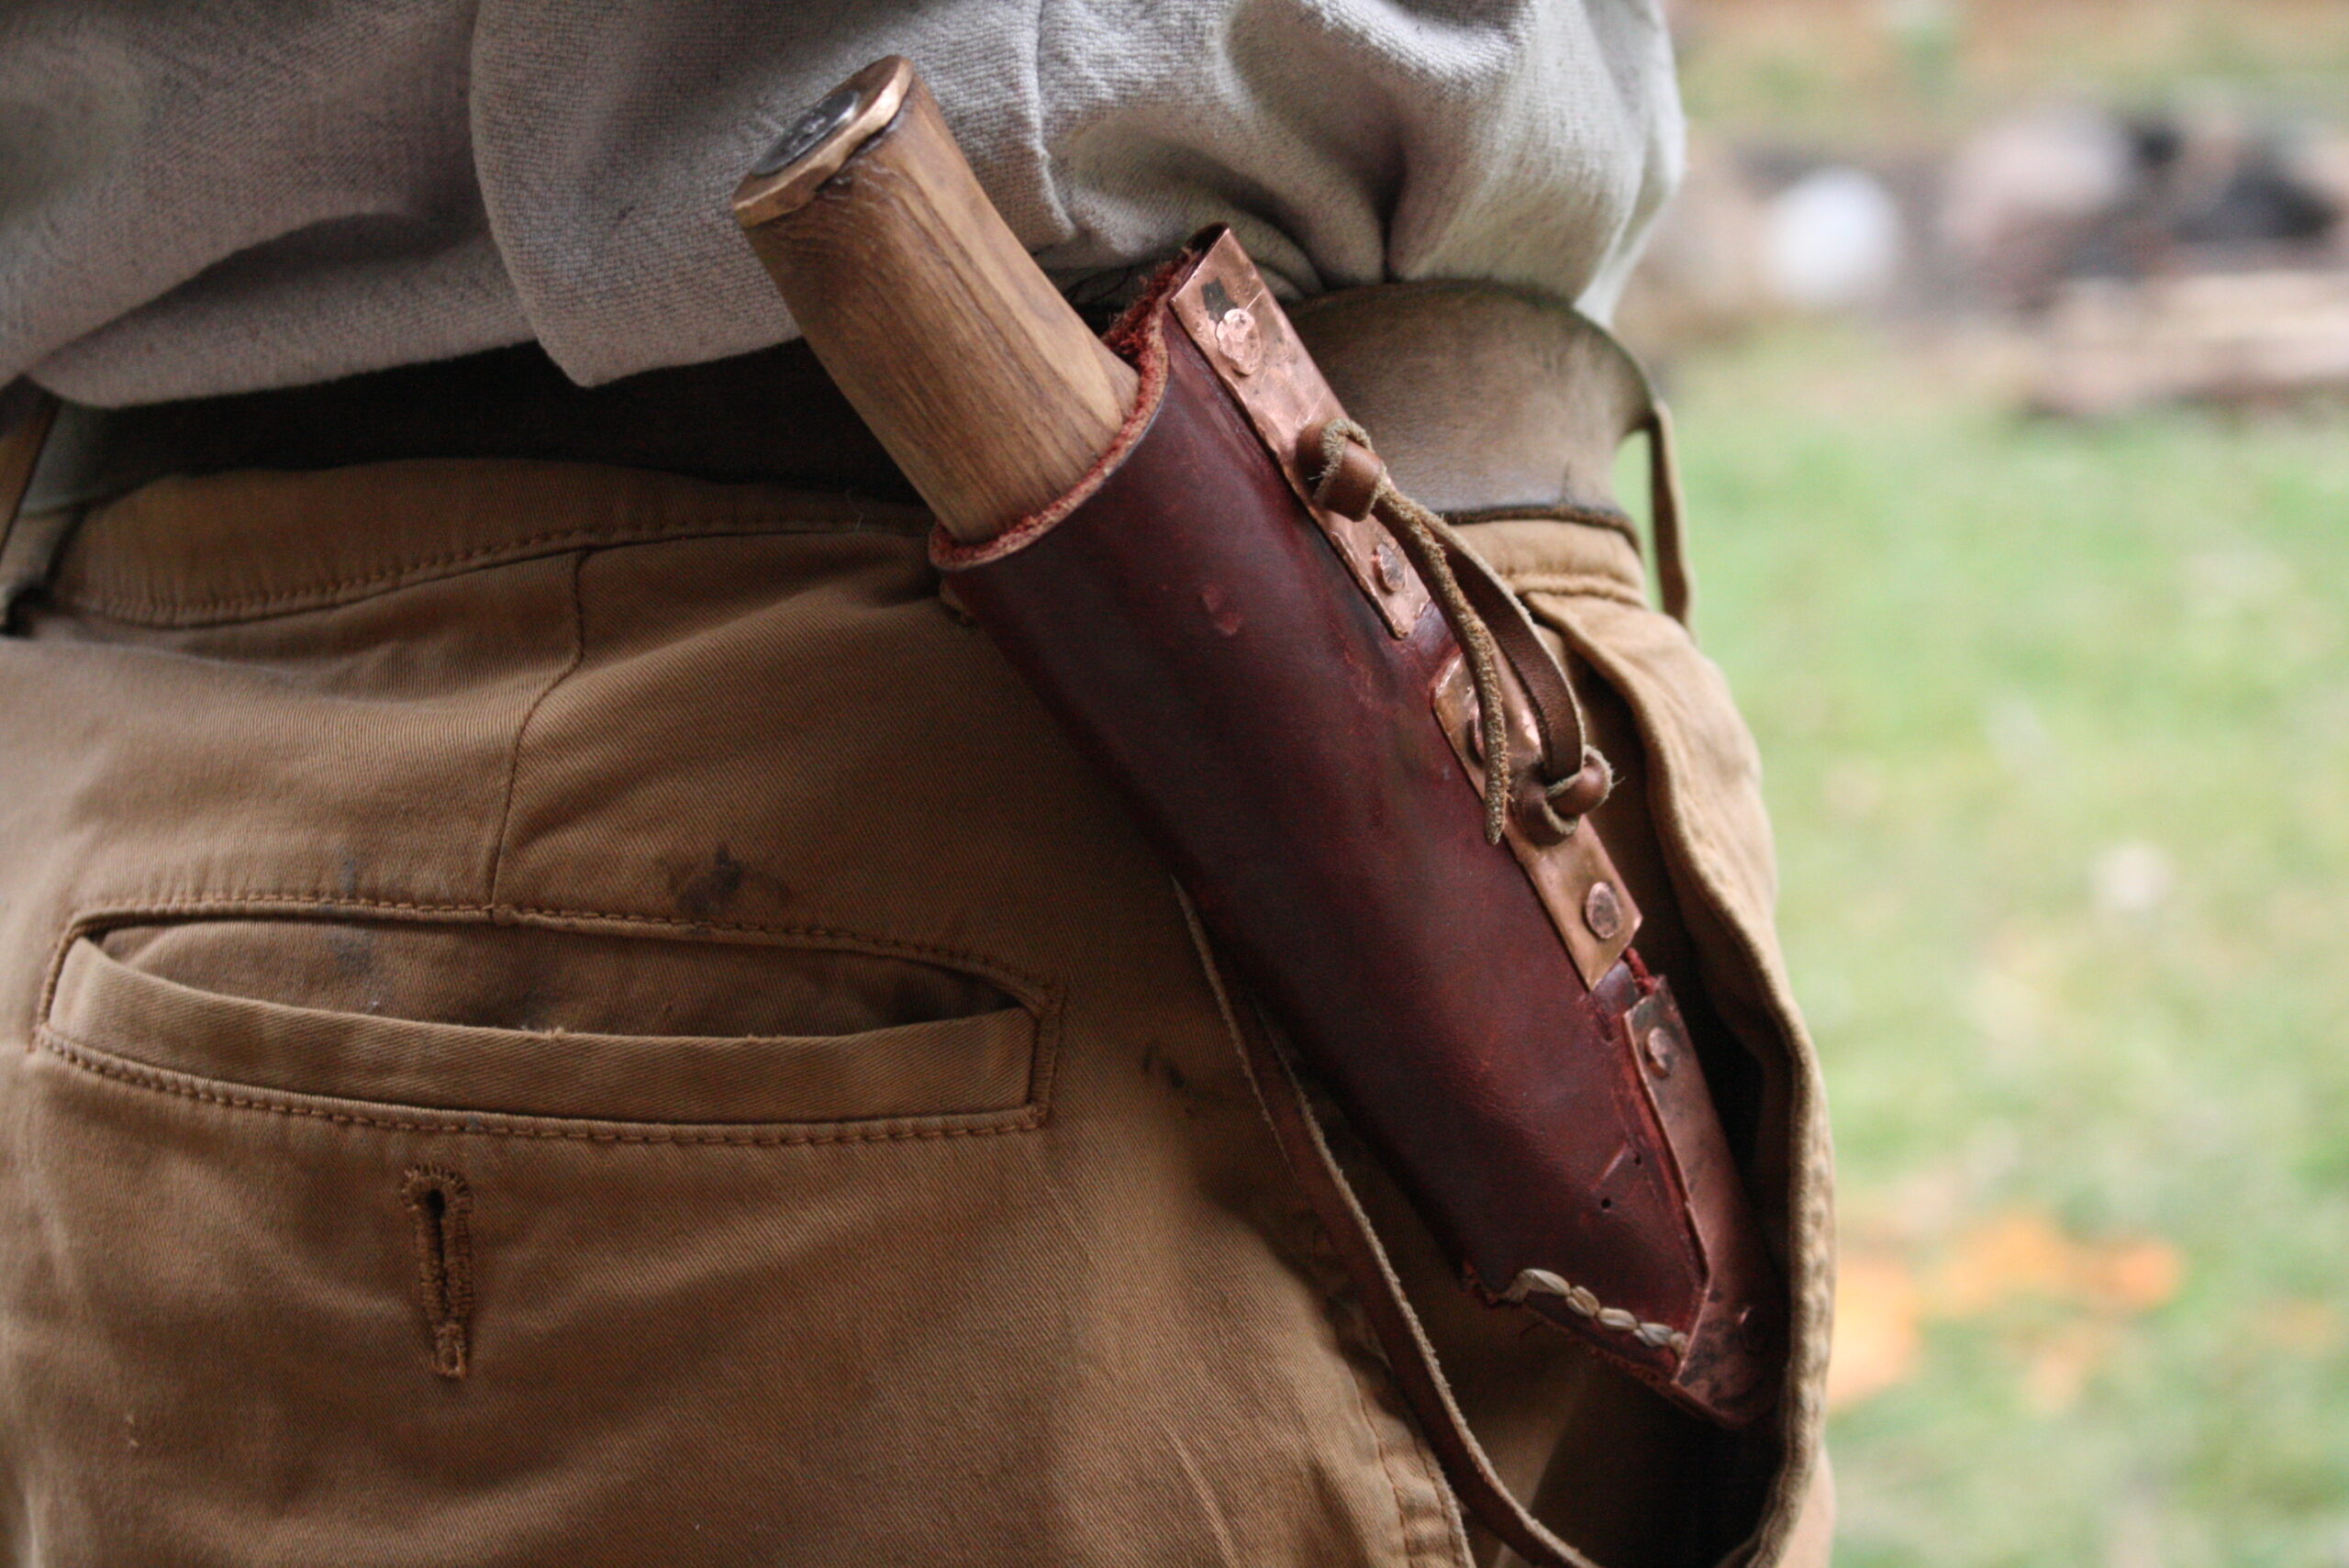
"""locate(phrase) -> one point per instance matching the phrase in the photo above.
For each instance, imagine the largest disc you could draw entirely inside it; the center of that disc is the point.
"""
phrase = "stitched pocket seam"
(162, 611)
(493, 1123)
(1044, 1000)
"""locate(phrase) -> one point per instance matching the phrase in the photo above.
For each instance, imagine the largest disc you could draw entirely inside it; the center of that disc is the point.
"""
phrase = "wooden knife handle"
(990, 392)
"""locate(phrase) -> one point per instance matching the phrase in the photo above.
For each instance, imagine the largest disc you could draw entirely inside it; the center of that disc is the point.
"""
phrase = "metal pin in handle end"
(815, 146)
(991, 393)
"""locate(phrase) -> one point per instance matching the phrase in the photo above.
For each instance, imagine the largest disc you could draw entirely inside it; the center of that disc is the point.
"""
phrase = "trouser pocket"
(319, 1285)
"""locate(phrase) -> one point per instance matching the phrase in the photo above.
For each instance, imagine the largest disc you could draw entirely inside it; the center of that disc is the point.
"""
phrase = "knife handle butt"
(985, 386)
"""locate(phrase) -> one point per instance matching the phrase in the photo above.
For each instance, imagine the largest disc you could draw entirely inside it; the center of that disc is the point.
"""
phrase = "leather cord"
(1571, 778)
(1574, 778)
(1411, 1355)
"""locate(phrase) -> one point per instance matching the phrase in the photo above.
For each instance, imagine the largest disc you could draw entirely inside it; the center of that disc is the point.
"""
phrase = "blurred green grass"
(1875, 76)
(2056, 725)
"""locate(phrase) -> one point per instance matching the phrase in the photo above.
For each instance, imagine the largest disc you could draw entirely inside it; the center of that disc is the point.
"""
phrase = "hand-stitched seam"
(522, 730)
(162, 611)
(474, 1124)
(1583, 1304)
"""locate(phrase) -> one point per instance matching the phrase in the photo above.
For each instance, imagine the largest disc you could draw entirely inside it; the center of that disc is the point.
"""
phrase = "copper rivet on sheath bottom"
(1602, 911)
(1390, 567)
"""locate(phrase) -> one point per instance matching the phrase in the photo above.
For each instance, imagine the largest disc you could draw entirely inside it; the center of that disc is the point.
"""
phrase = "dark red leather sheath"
(1200, 636)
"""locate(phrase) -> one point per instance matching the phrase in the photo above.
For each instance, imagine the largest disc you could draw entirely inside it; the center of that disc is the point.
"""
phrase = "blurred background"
(2010, 341)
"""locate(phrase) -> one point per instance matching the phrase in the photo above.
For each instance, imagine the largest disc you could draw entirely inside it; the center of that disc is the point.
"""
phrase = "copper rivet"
(1390, 567)
(1658, 1047)
(1241, 342)
(1602, 911)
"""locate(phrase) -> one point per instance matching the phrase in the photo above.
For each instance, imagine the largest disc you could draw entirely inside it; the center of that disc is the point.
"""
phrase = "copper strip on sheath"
(1246, 338)
(1575, 877)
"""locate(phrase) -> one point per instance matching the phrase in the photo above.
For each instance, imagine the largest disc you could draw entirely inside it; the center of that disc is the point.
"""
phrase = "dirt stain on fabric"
(711, 888)
(1195, 1094)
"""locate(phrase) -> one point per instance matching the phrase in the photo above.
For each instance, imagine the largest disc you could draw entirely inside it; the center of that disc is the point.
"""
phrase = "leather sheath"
(1275, 730)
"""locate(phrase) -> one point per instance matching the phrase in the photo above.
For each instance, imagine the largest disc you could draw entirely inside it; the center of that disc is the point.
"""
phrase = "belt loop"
(28, 551)
(1651, 419)
(1664, 514)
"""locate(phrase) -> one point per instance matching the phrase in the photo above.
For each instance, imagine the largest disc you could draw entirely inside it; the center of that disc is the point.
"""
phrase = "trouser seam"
(1361, 1351)
(1408, 1525)
(522, 730)
(160, 607)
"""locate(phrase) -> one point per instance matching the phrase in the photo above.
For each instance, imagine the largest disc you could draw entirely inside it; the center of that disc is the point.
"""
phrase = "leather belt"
(772, 416)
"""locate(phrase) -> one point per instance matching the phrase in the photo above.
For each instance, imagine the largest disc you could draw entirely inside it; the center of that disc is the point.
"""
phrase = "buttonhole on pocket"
(442, 1207)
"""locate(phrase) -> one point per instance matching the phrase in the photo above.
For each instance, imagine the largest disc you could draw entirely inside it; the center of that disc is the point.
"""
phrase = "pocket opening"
(537, 980)
(112, 1015)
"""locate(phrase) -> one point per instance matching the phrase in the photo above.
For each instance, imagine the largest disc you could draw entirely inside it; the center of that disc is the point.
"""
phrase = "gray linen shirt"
(201, 198)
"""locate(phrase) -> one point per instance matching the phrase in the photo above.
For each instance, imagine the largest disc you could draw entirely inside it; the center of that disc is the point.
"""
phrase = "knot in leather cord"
(1564, 803)
(1488, 622)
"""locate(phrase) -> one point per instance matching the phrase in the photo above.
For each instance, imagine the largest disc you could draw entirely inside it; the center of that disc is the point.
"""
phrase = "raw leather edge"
(1139, 337)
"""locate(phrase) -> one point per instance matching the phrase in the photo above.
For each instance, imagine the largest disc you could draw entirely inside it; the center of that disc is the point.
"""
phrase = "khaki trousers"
(567, 1016)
